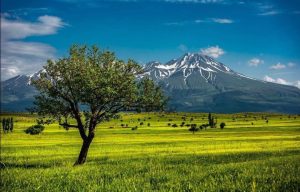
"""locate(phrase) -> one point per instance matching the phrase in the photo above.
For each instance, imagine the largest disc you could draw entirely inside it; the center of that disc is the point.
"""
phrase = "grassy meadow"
(242, 157)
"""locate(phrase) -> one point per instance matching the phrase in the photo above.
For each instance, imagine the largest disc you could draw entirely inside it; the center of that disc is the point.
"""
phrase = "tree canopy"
(96, 81)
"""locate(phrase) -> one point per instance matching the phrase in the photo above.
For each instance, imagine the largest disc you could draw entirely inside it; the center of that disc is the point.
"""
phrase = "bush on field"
(222, 125)
(193, 128)
(34, 129)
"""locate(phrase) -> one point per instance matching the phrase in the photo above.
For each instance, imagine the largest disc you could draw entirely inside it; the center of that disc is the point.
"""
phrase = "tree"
(11, 124)
(211, 121)
(96, 81)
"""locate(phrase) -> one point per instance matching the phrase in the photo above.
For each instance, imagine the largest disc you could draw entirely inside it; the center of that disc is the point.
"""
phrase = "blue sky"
(257, 38)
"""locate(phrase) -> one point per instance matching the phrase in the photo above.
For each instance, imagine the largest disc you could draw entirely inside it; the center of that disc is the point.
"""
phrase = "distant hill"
(194, 82)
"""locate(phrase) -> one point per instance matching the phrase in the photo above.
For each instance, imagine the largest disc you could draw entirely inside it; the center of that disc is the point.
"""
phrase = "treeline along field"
(254, 152)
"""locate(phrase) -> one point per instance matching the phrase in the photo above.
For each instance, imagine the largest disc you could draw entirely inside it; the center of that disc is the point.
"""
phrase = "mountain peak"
(189, 63)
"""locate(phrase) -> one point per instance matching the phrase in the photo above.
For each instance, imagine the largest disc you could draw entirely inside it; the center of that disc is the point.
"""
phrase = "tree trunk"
(84, 149)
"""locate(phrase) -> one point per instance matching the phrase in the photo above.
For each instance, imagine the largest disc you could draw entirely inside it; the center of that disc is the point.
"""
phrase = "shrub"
(148, 124)
(174, 125)
(141, 123)
(35, 129)
(134, 128)
(193, 128)
(222, 125)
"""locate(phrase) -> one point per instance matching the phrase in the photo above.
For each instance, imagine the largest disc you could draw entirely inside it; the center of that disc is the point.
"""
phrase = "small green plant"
(35, 129)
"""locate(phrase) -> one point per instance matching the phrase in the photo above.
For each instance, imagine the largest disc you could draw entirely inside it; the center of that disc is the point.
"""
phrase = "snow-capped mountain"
(190, 63)
(197, 82)
(194, 82)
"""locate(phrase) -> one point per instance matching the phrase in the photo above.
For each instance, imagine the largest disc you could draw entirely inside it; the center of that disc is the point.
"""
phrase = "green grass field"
(241, 157)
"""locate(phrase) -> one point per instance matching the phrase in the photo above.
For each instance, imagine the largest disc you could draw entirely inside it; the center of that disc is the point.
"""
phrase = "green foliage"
(151, 97)
(193, 128)
(222, 125)
(97, 81)
(35, 129)
(211, 121)
(7, 124)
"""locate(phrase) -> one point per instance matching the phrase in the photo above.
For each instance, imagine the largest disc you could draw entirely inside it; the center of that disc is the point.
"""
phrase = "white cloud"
(269, 79)
(23, 57)
(269, 13)
(255, 62)
(297, 84)
(267, 9)
(290, 64)
(182, 47)
(195, 1)
(282, 81)
(215, 20)
(278, 66)
(20, 57)
(222, 21)
(17, 29)
(213, 51)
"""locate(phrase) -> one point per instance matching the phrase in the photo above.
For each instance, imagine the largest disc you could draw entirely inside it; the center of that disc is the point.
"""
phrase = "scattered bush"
(141, 123)
(175, 125)
(35, 129)
(222, 125)
(148, 124)
(193, 128)
(134, 128)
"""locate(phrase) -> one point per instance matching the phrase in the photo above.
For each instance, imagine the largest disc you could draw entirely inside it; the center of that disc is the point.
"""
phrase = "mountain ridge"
(194, 82)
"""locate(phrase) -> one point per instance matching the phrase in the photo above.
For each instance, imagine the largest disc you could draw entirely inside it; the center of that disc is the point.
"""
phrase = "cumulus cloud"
(20, 57)
(255, 62)
(278, 66)
(214, 51)
(281, 81)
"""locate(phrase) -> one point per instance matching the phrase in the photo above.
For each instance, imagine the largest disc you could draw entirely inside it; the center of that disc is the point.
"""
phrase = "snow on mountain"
(194, 82)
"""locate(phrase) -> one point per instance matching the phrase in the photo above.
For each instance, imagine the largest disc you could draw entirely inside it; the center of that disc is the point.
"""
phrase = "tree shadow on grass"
(32, 165)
